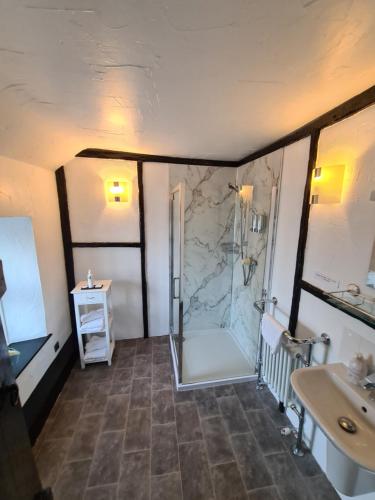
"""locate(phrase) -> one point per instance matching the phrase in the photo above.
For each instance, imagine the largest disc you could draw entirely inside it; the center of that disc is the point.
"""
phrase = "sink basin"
(327, 395)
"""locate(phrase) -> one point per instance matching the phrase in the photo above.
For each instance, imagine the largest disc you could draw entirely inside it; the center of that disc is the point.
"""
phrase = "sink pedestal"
(346, 475)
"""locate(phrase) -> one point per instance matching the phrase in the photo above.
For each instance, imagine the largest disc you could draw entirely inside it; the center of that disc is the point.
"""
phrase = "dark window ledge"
(28, 350)
(338, 304)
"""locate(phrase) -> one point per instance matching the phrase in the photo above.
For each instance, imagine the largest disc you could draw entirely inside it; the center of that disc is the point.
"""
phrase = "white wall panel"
(123, 266)
(156, 191)
(296, 157)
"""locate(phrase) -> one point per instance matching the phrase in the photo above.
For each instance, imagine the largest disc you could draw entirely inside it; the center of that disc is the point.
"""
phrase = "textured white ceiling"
(203, 78)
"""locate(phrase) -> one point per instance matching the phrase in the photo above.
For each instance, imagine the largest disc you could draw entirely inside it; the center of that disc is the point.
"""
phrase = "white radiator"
(277, 368)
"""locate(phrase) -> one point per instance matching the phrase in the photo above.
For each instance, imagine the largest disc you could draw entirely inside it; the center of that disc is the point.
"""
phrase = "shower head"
(234, 187)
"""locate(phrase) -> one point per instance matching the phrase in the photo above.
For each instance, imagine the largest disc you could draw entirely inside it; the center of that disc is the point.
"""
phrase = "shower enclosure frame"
(176, 339)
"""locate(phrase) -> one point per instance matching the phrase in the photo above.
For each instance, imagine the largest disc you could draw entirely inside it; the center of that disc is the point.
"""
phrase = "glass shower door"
(176, 220)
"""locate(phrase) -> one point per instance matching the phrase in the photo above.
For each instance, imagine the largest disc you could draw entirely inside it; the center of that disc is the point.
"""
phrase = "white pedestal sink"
(327, 395)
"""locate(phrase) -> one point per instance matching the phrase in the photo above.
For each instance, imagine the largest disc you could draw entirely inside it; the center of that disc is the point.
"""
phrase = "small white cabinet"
(93, 312)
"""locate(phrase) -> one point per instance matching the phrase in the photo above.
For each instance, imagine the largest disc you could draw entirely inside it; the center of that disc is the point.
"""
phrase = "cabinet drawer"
(89, 298)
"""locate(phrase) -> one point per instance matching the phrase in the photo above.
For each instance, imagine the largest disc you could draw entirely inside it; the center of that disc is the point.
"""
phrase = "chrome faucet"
(368, 383)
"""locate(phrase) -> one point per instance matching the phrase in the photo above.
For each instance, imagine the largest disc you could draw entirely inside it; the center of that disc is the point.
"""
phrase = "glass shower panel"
(176, 263)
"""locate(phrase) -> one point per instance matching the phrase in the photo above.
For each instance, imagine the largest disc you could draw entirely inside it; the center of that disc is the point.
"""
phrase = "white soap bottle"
(90, 279)
(357, 369)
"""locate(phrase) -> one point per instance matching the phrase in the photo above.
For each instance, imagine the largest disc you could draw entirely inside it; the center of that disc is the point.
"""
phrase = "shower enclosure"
(219, 228)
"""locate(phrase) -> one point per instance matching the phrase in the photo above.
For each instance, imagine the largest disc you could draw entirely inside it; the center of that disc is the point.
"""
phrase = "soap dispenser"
(90, 280)
(357, 369)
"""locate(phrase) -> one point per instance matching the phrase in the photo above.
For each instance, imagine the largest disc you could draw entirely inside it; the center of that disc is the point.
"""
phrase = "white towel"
(272, 332)
(100, 353)
(95, 343)
(92, 315)
(97, 325)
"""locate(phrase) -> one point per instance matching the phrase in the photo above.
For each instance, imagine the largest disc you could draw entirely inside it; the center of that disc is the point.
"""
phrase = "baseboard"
(39, 404)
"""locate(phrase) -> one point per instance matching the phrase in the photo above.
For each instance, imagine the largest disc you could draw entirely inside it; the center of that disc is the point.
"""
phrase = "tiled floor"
(122, 432)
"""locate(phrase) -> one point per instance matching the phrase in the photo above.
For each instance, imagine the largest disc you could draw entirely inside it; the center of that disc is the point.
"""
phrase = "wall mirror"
(22, 311)
(340, 235)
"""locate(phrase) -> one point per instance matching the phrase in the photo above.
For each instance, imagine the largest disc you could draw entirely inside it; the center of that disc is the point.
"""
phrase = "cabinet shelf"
(87, 299)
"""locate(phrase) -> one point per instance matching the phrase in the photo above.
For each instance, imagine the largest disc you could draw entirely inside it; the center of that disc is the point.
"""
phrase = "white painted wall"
(295, 162)
(156, 192)
(30, 191)
(92, 219)
(23, 305)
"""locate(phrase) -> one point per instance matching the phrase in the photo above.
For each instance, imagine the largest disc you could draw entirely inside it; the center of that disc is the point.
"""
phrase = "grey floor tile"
(124, 359)
(307, 465)
(50, 459)
(167, 487)
(219, 448)
(140, 396)
(75, 388)
(161, 377)
(252, 465)
(269, 493)
(162, 339)
(267, 435)
(107, 492)
(227, 482)
(122, 381)
(195, 474)
(207, 403)
(182, 396)
(116, 412)
(102, 372)
(187, 421)
(164, 452)
(233, 415)
(144, 346)
(66, 419)
(84, 437)
(72, 481)
(224, 390)
(138, 430)
(248, 396)
(321, 488)
(161, 356)
(162, 407)
(134, 481)
(105, 466)
(143, 366)
(289, 482)
(96, 400)
(278, 418)
(281, 467)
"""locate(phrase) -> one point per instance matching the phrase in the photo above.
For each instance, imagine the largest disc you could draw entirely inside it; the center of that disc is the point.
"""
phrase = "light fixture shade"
(326, 184)
(117, 191)
(246, 194)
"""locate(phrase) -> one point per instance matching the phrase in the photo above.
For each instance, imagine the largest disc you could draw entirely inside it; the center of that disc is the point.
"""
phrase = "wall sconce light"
(117, 191)
(246, 194)
(326, 184)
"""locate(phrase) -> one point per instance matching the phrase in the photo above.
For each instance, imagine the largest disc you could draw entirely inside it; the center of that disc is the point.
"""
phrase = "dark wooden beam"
(67, 238)
(140, 157)
(142, 236)
(344, 110)
(106, 244)
(304, 225)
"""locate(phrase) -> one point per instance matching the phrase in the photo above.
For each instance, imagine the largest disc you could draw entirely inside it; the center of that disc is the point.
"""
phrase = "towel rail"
(278, 366)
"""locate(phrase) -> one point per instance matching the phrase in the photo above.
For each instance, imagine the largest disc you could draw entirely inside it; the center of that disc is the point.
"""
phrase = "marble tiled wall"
(262, 173)
(209, 223)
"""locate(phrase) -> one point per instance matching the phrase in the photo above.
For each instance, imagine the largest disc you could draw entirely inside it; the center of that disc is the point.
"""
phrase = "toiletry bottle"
(90, 279)
(357, 369)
